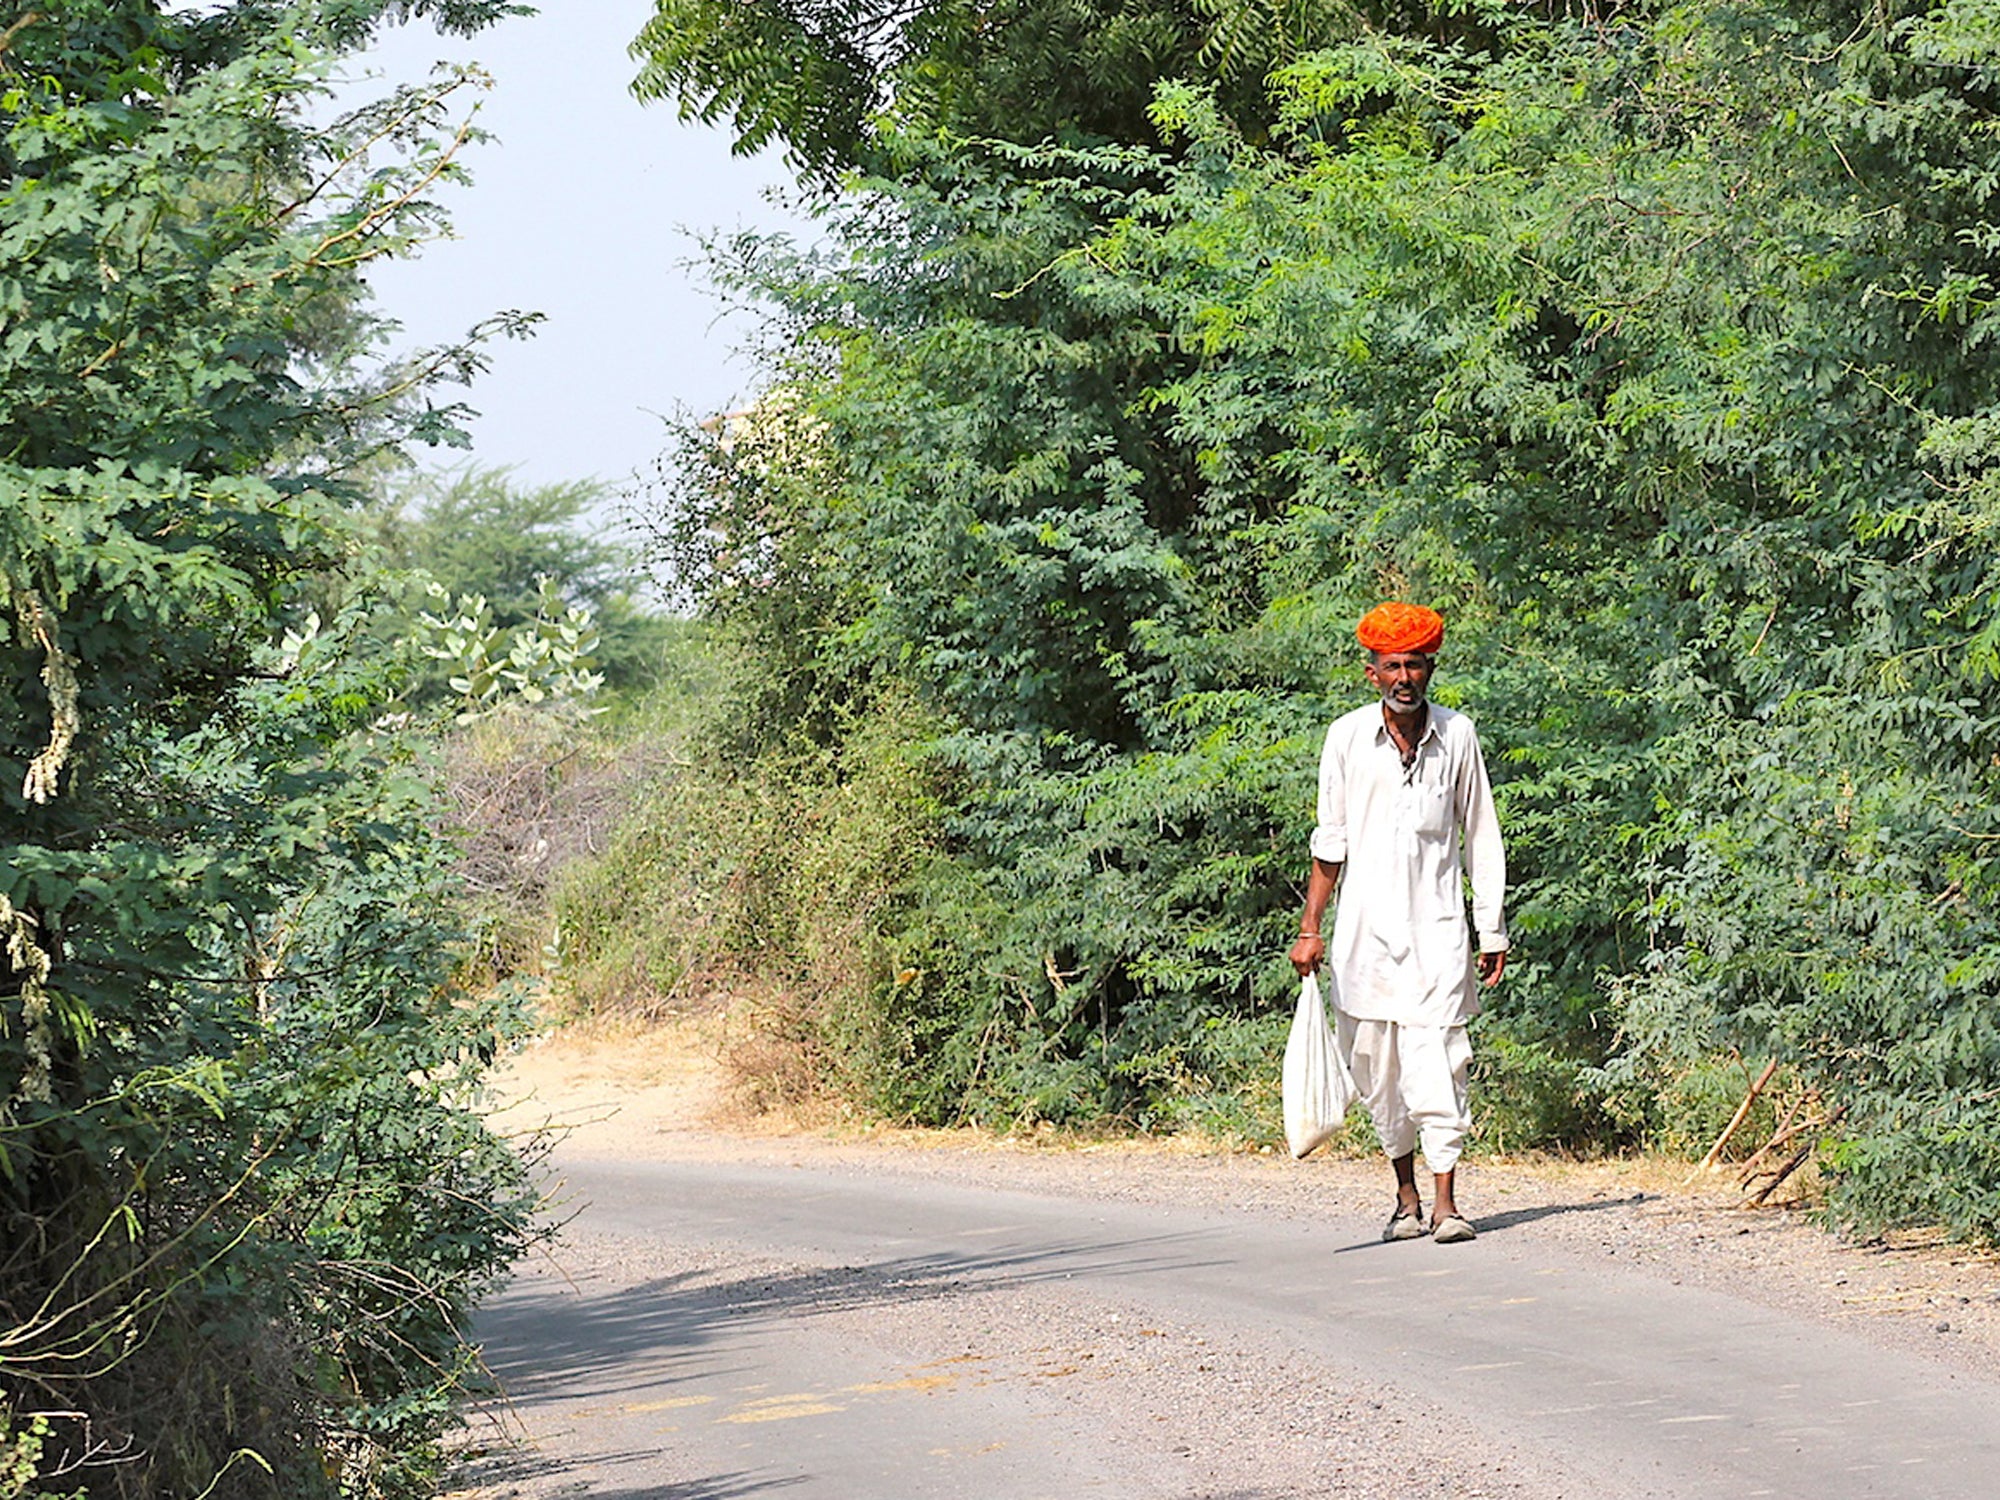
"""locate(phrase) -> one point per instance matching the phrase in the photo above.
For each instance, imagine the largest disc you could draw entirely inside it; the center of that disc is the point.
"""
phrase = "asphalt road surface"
(832, 1333)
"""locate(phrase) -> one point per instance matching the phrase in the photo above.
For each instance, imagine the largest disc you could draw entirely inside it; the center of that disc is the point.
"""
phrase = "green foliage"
(21, 1461)
(846, 84)
(785, 869)
(1656, 368)
(1652, 348)
(547, 659)
(246, 1198)
(476, 533)
(971, 503)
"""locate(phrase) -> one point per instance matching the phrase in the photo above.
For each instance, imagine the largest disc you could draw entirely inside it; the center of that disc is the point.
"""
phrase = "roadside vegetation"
(1140, 354)
(955, 719)
(247, 1192)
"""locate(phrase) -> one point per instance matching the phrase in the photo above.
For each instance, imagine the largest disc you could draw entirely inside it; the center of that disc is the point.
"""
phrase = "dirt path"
(637, 1099)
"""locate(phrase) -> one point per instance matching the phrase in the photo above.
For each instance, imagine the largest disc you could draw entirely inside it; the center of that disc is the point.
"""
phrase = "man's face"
(1403, 678)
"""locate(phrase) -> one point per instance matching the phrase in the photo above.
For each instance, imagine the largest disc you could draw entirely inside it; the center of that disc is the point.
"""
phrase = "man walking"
(1402, 786)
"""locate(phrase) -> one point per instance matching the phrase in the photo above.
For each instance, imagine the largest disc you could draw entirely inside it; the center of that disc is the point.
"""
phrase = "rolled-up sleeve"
(1329, 840)
(1485, 856)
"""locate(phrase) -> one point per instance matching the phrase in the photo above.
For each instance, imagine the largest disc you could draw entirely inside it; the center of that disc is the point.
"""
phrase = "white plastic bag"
(1317, 1086)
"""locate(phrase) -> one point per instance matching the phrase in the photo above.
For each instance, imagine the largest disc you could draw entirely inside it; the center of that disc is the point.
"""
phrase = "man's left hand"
(1491, 966)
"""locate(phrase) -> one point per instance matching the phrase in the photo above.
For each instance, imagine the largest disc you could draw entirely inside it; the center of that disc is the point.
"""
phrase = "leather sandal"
(1405, 1224)
(1453, 1229)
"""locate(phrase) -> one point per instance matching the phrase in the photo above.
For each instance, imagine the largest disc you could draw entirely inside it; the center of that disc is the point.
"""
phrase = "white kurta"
(1399, 950)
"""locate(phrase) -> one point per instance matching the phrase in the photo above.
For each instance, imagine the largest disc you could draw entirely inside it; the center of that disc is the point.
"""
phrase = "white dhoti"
(1414, 1082)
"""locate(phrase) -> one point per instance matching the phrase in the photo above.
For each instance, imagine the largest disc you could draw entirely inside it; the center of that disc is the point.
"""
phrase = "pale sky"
(583, 208)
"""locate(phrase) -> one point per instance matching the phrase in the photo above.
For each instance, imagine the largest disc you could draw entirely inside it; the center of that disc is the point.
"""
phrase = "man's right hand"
(1321, 882)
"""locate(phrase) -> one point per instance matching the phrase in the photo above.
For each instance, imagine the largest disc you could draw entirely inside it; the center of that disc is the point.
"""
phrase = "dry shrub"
(537, 792)
(777, 1057)
(773, 883)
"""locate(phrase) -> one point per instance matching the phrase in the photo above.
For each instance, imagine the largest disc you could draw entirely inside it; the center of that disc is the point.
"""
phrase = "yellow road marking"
(914, 1383)
(762, 1413)
(779, 1408)
(670, 1405)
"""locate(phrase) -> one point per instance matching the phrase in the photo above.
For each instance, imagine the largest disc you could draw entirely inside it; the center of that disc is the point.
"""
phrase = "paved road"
(646, 1381)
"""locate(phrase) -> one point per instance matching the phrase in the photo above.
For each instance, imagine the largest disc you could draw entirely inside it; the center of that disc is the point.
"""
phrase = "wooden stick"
(1757, 1198)
(1794, 1164)
(1742, 1113)
(1784, 1132)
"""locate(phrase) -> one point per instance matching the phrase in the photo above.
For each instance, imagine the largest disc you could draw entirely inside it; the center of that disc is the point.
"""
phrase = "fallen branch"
(1742, 1113)
(1756, 1200)
(1781, 1135)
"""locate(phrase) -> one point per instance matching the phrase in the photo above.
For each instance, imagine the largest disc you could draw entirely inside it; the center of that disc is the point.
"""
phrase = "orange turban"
(1393, 627)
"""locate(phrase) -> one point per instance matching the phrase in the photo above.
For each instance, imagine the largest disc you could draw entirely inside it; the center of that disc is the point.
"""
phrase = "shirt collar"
(1430, 725)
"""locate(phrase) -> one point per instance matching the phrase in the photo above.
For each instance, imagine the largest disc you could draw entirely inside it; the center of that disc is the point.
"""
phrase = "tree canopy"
(1650, 344)
(245, 1200)
(840, 85)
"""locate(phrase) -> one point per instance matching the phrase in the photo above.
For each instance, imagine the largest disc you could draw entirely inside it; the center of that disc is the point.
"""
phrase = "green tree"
(1652, 345)
(245, 1200)
(846, 84)
(1804, 383)
(962, 483)
(476, 532)
(1672, 381)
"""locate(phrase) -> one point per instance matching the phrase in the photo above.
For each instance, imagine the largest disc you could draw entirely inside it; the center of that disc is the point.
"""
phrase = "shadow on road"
(545, 1476)
(601, 1339)
(1501, 1222)
(570, 1354)
(1513, 1216)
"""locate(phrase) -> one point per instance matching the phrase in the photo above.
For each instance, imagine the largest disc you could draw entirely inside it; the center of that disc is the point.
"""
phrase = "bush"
(245, 1218)
(786, 875)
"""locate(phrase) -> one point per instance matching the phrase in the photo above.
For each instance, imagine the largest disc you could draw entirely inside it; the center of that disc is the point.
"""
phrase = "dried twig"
(1742, 1113)
(1783, 1135)
(1804, 1154)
